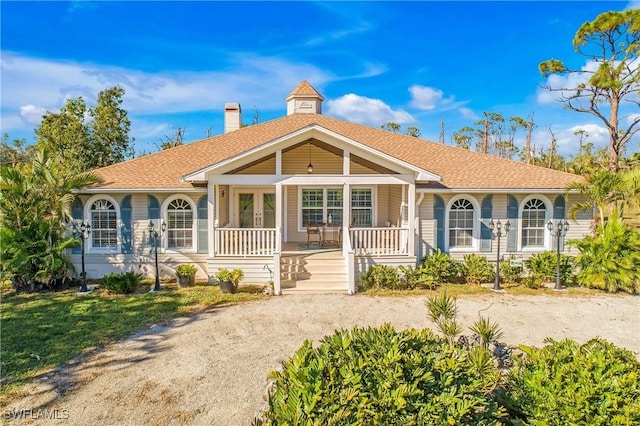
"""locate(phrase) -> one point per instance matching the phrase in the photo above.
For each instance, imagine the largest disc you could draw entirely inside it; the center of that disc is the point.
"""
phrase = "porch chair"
(313, 232)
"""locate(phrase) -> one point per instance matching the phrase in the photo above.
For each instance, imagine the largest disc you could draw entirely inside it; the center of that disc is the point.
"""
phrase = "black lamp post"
(83, 233)
(155, 234)
(559, 230)
(498, 231)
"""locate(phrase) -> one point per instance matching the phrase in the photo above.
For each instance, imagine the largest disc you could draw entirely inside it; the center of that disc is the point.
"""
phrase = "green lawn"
(40, 331)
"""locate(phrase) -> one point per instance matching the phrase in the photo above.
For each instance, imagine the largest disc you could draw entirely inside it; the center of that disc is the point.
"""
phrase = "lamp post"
(155, 233)
(498, 231)
(83, 233)
(559, 230)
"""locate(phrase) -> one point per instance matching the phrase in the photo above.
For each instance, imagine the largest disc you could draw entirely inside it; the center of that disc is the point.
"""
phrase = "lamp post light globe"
(155, 234)
(498, 230)
(558, 230)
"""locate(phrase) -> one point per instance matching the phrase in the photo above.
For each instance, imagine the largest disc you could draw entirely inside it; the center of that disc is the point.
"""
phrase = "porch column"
(412, 219)
(346, 216)
(278, 217)
(276, 257)
(211, 220)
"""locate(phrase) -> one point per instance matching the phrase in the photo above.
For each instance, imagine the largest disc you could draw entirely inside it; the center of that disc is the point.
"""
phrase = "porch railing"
(379, 241)
(246, 241)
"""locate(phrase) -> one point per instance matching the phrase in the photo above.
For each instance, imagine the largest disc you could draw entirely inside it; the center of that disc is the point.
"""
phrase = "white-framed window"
(362, 206)
(179, 213)
(103, 214)
(312, 206)
(319, 205)
(462, 223)
(461, 216)
(534, 219)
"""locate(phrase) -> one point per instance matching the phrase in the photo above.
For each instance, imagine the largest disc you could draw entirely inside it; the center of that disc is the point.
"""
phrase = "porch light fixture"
(559, 230)
(498, 230)
(155, 234)
(310, 166)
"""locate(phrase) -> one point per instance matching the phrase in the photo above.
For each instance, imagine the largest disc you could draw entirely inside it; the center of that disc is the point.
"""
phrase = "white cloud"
(30, 83)
(32, 114)
(428, 98)
(468, 114)
(633, 4)
(366, 110)
(567, 141)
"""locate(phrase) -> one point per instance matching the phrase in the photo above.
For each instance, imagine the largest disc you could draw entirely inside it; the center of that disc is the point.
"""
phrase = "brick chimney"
(232, 117)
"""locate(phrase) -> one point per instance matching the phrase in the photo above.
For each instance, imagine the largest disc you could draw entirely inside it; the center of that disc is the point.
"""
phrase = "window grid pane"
(461, 224)
(362, 206)
(104, 224)
(179, 225)
(533, 223)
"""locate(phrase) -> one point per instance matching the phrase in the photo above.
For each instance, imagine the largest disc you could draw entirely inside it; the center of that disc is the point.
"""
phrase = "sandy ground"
(210, 368)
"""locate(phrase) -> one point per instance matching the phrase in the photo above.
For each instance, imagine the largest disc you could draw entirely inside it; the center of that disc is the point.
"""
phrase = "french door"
(256, 209)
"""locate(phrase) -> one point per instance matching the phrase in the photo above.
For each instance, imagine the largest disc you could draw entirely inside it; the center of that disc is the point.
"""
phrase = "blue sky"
(413, 63)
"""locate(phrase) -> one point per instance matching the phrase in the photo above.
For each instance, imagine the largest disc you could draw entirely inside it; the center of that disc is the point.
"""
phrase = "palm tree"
(605, 190)
(35, 206)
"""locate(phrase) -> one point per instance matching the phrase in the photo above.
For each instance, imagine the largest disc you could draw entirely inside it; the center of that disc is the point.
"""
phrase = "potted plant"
(186, 275)
(229, 279)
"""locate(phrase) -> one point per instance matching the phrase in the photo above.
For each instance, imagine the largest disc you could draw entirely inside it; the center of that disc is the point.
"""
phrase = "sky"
(418, 63)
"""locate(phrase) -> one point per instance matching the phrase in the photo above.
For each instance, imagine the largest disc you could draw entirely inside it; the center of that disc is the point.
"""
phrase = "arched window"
(534, 213)
(104, 225)
(179, 224)
(461, 224)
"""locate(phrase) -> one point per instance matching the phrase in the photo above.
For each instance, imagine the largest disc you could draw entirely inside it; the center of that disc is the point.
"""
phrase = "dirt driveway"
(210, 368)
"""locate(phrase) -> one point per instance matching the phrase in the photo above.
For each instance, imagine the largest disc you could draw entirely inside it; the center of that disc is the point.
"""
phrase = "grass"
(456, 290)
(43, 330)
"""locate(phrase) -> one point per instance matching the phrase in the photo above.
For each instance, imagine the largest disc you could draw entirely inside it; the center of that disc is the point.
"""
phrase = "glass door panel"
(246, 209)
(269, 210)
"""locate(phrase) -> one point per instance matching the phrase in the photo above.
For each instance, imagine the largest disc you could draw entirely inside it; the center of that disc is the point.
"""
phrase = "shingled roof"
(460, 169)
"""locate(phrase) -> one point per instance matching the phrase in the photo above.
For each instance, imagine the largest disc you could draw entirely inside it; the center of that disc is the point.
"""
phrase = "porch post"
(211, 220)
(346, 215)
(412, 219)
(278, 217)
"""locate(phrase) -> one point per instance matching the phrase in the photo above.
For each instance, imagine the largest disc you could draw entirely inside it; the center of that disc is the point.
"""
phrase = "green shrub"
(123, 283)
(186, 270)
(510, 274)
(543, 267)
(567, 383)
(610, 260)
(230, 275)
(412, 278)
(379, 376)
(380, 277)
(441, 267)
(476, 269)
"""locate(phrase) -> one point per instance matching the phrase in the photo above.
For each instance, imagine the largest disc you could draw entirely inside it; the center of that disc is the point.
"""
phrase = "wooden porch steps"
(321, 272)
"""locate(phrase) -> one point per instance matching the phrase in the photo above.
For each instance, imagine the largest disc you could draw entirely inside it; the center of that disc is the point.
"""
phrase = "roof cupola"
(304, 99)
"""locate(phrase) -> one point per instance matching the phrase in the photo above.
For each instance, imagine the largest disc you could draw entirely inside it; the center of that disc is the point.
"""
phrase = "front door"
(256, 209)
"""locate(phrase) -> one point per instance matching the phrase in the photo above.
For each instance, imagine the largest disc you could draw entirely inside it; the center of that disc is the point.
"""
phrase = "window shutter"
(438, 214)
(486, 212)
(126, 234)
(77, 216)
(153, 208)
(512, 215)
(559, 214)
(203, 237)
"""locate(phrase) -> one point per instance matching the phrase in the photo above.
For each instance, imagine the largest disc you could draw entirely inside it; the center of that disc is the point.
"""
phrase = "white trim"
(494, 190)
(127, 191)
(475, 242)
(194, 224)
(300, 135)
(548, 214)
(87, 214)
